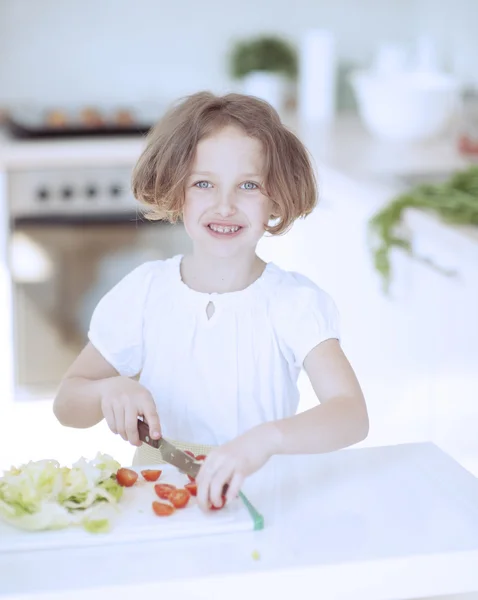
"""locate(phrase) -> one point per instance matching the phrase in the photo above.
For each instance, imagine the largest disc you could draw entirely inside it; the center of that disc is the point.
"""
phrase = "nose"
(225, 204)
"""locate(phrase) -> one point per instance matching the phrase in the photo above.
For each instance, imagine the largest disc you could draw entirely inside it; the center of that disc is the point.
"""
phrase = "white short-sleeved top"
(213, 379)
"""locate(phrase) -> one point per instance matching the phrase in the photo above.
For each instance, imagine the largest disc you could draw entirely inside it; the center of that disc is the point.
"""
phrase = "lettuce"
(43, 495)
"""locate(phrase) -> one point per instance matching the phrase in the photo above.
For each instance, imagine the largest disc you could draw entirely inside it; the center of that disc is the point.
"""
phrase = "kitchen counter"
(45, 154)
(344, 146)
(371, 523)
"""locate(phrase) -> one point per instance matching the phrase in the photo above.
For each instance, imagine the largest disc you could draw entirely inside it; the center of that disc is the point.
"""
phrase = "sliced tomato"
(201, 457)
(212, 507)
(191, 479)
(192, 488)
(163, 490)
(189, 453)
(126, 477)
(151, 474)
(179, 498)
(163, 510)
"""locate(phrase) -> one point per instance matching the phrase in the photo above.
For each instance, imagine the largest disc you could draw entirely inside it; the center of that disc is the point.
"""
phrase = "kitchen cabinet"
(449, 309)
(413, 349)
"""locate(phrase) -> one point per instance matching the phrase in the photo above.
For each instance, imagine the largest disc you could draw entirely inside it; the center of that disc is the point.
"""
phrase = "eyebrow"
(208, 173)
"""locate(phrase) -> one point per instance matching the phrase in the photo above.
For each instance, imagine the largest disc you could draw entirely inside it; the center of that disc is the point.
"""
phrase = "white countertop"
(344, 146)
(388, 522)
(56, 154)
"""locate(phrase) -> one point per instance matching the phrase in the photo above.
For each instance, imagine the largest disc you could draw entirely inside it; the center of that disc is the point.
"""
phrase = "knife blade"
(172, 455)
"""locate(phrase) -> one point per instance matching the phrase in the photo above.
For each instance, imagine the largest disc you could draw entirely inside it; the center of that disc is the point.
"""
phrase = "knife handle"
(143, 431)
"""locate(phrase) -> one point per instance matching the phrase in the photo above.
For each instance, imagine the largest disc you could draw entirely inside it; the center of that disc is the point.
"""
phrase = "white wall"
(455, 24)
(71, 51)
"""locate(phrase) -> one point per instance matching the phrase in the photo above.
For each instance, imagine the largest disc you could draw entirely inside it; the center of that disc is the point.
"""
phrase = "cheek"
(261, 211)
(191, 209)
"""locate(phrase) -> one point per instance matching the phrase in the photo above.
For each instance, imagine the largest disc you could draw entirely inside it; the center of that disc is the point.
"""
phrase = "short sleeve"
(116, 326)
(310, 317)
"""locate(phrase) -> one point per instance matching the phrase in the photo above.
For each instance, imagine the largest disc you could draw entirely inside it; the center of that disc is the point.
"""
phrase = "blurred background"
(384, 93)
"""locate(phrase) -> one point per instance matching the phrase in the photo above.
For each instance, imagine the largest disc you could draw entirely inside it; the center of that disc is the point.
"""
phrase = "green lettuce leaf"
(43, 495)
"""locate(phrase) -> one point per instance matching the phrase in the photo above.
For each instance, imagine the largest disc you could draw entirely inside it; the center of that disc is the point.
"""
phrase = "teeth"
(221, 229)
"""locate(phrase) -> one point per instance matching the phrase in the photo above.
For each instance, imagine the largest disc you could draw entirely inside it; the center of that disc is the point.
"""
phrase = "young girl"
(207, 347)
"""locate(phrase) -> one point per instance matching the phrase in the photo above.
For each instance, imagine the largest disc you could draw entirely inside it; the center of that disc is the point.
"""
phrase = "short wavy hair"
(160, 175)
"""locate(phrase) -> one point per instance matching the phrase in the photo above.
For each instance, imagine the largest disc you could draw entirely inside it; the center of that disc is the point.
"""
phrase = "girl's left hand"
(232, 462)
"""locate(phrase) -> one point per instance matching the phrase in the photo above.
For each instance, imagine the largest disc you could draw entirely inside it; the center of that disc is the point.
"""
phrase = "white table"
(373, 523)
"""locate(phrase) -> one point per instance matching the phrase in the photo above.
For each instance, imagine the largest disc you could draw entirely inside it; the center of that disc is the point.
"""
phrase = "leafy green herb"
(454, 201)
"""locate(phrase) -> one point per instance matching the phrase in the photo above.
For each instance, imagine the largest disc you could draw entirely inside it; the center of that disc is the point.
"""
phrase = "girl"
(207, 347)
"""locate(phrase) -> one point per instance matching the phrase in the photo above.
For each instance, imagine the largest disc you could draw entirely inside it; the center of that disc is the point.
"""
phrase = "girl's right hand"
(123, 400)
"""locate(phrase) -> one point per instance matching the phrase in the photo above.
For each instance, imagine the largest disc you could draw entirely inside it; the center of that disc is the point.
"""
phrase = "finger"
(234, 486)
(152, 419)
(220, 478)
(109, 416)
(131, 425)
(119, 419)
(203, 481)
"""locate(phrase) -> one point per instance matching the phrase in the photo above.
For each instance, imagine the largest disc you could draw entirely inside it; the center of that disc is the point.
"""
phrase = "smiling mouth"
(224, 228)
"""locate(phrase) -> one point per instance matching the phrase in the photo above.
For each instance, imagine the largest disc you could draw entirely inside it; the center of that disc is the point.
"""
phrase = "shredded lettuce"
(43, 495)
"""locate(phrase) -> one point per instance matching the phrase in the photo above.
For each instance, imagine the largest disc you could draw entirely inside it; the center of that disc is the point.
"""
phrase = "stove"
(69, 194)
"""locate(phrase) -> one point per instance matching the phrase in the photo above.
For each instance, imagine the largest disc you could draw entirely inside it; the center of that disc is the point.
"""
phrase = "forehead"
(230, 147)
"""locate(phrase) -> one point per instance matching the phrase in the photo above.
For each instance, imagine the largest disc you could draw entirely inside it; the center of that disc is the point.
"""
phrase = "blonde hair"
(160, 174)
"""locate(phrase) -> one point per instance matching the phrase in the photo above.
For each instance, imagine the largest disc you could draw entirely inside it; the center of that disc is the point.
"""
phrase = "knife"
(172, 455)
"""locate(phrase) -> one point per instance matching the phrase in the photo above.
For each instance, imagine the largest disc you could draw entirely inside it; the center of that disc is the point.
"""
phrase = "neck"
(212, 274)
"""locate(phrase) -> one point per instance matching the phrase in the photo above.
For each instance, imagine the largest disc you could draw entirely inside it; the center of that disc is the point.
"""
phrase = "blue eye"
(250, 185)
(199, 184)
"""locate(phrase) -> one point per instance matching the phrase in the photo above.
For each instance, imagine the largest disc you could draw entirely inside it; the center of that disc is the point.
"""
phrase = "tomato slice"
(163, 510)
(212, 507)
(192, 488)
(189, 453)
(191, 479)
(201, 457)
(179, 498)
(163, 490)
(126, 477)
(151, 474)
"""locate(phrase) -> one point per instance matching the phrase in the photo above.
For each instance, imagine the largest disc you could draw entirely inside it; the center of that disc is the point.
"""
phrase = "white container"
(317, 77)
(409, 106)
(267, 86)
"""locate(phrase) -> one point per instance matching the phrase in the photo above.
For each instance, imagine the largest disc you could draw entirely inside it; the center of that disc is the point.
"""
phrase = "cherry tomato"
(163, 510)
(192, 488)
(163, 490)
(179, 498)
(151, 475)
(126, 477)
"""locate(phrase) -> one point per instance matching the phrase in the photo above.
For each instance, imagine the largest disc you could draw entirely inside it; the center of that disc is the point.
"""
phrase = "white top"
(213, 379)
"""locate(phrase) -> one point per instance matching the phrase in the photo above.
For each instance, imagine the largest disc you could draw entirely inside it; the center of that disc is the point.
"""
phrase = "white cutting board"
(136, 521)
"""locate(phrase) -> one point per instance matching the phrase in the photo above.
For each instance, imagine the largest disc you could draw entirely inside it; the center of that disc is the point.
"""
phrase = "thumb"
(152, 419)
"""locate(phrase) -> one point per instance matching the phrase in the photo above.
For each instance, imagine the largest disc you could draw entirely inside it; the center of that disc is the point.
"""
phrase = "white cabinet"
(408, 348)
(449, 307)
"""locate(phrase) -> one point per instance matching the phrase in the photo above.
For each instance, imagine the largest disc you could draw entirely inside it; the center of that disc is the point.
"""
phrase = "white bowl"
(407, 106)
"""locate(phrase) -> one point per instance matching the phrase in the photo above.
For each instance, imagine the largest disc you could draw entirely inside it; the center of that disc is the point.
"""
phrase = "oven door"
(61, 267)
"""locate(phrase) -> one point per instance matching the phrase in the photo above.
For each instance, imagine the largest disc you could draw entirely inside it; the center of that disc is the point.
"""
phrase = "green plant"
(264, 53)
(454, 201)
